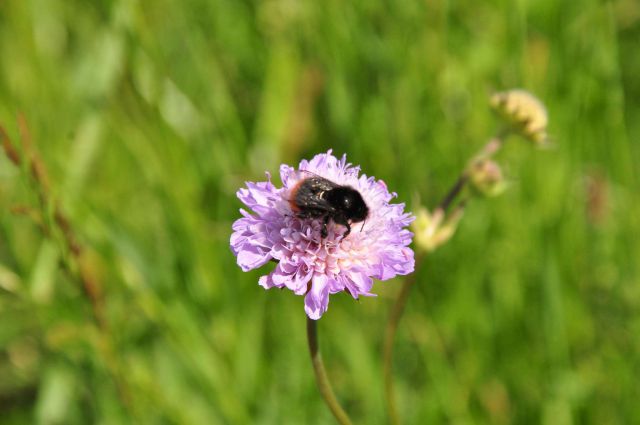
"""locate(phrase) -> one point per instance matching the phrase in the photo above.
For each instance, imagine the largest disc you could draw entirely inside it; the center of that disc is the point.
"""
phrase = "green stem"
(387, 349)
(487, 151)
(454, 191)
(321, 375)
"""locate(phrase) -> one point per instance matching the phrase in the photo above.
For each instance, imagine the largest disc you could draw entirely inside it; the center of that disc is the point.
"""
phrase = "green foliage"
(150, 115)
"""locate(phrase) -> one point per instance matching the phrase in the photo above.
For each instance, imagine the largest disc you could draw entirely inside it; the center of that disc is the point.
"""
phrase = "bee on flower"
(328, 228)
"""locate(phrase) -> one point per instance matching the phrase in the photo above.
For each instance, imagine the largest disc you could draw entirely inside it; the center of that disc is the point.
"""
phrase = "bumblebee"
(317, 197)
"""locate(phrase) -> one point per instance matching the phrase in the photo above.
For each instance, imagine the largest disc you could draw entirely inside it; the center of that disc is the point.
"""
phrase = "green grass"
(149, 117)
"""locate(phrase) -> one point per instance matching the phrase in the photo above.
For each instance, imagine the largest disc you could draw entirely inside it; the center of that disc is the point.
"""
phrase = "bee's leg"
(346, 223)
(340, 219)
(323, 232)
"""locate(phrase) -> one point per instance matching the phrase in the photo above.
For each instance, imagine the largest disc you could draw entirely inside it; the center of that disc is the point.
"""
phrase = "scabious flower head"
(308, 264)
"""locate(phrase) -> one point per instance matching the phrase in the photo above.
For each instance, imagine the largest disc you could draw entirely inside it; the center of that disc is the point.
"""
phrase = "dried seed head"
(525, 112)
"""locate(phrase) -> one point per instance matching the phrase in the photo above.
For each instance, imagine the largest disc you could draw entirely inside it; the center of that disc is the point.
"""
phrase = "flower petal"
(316, 301)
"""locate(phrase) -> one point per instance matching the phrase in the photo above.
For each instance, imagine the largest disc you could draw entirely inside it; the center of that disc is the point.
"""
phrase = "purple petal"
(316, 301)
(267, 282)
(358, 283)
(251, 257)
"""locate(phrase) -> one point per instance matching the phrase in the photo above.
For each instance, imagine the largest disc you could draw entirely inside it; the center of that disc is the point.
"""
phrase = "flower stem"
(454, 191)
(488, 150)
(321, 375)
(387, 349)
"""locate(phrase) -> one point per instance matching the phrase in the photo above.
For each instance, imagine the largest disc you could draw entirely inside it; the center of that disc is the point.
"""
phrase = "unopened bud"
(525, 112)
(486, 177)
(432, 230)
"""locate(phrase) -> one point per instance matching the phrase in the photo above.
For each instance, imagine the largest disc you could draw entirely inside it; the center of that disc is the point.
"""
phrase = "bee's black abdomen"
(349, 202)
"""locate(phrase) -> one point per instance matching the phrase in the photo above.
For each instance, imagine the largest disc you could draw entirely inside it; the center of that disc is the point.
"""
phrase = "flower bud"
(525, 112)
(432, 230)
(486, 177)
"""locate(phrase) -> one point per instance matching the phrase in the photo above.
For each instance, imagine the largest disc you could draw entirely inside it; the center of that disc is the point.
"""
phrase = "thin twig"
(321, 375)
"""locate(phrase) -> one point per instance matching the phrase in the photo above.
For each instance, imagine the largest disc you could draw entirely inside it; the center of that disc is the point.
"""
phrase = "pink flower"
(308, 264)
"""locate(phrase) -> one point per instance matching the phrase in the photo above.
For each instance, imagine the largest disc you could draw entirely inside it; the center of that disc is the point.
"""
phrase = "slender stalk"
(454, 191)
(321, 375)
(488, 150)
(387, 349)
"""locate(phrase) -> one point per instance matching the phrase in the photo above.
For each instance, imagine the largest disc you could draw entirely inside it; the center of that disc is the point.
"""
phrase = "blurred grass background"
(150, 115)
